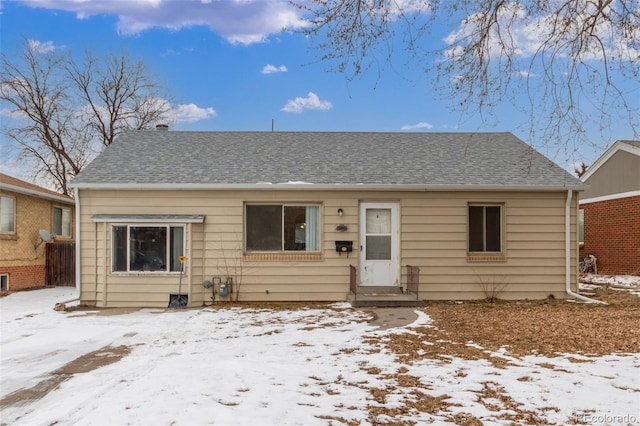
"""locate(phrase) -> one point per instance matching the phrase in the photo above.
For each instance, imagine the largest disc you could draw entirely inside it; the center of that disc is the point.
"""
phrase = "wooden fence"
(60, 264)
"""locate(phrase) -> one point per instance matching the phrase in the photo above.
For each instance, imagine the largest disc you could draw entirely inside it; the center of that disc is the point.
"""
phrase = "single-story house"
(317, 216)
(25, 210)
(610, 210)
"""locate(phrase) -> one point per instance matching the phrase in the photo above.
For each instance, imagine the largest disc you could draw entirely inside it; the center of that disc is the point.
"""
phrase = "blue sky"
(227, 65)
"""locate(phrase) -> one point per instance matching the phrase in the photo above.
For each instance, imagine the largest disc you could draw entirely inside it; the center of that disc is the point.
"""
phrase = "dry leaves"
(547, 328)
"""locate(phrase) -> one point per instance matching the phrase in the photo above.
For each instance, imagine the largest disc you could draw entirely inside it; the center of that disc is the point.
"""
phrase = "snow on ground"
(629, 283)
(243, 366)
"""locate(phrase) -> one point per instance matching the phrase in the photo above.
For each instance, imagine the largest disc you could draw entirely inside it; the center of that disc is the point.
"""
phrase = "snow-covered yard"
(314, 366)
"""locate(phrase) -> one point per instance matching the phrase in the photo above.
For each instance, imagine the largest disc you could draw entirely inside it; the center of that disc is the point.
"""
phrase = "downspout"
(567, 254)
(76, 297)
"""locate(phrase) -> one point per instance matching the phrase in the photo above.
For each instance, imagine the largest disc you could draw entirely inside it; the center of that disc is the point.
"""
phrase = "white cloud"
(310, 103)
(10, 113)
(191, 113)
(420, 125)
(270, 69)
(40, 47)
(239, 21)
(525, 74)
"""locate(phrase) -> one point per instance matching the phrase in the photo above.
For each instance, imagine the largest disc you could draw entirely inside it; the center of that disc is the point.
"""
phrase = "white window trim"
(610, 197)
(166, 225)
(15, 208)
(484, 228)
(283, 204)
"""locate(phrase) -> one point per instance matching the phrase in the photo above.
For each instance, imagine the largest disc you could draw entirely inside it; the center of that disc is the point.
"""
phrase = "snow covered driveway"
(243, 366)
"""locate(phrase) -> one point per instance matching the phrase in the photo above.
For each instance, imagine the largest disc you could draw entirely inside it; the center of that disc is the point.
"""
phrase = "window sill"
(282, 256)
(8, 236)
(143, 273)
(499, 257)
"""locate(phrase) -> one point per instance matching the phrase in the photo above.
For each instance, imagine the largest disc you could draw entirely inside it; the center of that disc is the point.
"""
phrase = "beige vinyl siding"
(433, 236)
(619, 174)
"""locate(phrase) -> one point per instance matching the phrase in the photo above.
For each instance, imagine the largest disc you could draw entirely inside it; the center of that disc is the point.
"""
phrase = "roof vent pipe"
(162, 127)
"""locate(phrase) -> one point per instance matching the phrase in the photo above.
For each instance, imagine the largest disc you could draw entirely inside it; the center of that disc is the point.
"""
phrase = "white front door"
(379, 250)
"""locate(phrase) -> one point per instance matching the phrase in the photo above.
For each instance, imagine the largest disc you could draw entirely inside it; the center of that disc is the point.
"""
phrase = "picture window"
(282, 228)
(147, 248)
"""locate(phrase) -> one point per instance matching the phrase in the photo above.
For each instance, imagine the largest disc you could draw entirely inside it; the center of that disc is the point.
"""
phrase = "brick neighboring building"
(611, 209)
(25, 209)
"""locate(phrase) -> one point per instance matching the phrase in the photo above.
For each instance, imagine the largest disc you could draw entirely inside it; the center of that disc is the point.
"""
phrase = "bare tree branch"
(571, 58)
(63, 113)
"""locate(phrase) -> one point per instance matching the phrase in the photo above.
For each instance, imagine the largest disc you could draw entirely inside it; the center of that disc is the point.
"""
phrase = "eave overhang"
(328, 187)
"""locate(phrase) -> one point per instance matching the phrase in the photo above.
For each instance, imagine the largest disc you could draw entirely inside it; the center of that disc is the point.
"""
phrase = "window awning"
(148, 218)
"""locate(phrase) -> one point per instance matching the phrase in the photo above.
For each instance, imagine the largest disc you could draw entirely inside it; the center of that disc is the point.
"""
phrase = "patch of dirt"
(83, 364)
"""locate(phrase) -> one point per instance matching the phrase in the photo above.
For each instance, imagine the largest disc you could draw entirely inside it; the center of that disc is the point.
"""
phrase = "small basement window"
(4, 282)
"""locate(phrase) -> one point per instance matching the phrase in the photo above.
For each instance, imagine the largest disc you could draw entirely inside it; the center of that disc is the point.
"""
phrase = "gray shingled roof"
(147, 159)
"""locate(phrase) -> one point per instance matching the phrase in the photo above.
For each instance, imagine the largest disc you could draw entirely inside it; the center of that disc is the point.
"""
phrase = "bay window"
(147, 248)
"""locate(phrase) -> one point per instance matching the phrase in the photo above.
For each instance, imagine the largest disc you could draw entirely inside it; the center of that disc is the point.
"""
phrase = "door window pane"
(378, 221)
(378, 247)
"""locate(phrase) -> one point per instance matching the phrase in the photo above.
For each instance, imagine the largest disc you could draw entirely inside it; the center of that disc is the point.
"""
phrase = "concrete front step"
(382, 300)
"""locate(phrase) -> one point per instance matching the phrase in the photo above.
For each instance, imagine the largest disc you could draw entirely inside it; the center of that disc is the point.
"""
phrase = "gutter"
(567, 248)
(325, 187)
(21, 190)
(76, 297)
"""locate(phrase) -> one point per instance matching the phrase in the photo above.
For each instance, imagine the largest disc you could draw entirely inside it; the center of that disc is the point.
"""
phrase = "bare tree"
(569, 58)
(63, 113)
(118, 94)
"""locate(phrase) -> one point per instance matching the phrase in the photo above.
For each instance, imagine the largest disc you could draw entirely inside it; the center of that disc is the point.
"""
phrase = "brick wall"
(612, 234)
(23, 277)
(18, 258)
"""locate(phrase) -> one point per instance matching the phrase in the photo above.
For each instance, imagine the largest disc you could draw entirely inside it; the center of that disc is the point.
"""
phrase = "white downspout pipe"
(567, 254)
